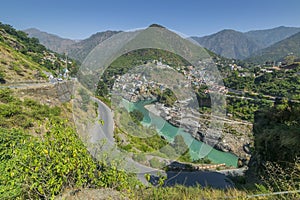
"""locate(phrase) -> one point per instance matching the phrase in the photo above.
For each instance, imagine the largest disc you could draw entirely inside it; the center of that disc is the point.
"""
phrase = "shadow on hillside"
(195, 178)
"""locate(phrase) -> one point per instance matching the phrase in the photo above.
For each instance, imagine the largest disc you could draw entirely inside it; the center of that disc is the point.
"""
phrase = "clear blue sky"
(79, 19)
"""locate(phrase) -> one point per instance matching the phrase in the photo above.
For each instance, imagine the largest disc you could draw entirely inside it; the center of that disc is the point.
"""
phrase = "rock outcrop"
(221, 133)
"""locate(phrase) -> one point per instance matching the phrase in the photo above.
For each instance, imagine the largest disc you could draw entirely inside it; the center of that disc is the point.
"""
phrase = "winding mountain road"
(104, 131)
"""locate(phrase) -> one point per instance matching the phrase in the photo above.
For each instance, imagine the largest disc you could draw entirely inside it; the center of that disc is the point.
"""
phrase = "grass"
(43, 164)
(140, 137)
(26, 114)
(181, 192)
(18, 67)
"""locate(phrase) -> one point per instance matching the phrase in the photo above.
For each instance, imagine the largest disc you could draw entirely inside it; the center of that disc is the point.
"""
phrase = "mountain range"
(77, 49)
(51, 41)
(258, 46)
(278, 51)
(239, 45)
(229, 43)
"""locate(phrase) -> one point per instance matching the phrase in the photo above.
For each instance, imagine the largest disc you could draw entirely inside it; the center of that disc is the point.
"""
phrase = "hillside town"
(183, 113)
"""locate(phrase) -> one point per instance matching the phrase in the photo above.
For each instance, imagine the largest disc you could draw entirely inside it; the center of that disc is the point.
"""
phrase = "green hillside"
(135, 58)
(278, 51)
(24, 59)
(41, 153)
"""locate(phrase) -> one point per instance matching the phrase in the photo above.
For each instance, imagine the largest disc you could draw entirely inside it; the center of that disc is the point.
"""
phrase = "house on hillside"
(66, 73)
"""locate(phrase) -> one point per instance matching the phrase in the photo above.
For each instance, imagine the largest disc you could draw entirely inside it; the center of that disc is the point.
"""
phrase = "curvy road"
(101, 131)
(104, 131)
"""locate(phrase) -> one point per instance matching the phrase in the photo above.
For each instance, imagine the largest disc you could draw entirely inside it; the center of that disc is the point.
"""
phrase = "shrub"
(139, 157)
(155, 163)
(136, 115)
(6, 95)
(41, 167)
(277, 178)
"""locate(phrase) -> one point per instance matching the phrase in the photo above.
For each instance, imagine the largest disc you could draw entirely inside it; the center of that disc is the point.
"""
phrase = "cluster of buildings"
(133, 86)
(63, 72)
(137, 86)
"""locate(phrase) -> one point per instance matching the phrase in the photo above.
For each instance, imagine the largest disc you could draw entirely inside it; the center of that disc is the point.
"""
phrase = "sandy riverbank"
(152, 108)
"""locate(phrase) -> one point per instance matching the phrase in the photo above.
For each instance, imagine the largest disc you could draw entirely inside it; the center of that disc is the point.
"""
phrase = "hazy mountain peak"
(51, 41)
(75, 49)
(157, 26)
(279, 50)
(229, 43)
(234, 44)
(271, 36)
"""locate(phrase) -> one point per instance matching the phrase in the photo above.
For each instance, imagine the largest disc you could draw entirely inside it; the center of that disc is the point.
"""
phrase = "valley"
(151, 116)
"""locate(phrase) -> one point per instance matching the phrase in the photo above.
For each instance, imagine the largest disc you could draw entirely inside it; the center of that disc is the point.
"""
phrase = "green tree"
(167, 97)
(276, 132)
(179, 145)
(102, 89)
(136, 115)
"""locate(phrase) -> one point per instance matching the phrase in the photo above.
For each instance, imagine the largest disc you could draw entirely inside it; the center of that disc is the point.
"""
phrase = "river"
(197, 148)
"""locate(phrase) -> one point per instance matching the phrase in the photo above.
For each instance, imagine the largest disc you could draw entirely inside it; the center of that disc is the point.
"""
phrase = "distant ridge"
(269, 37)
(278, 51)
(81, 49)
(229, 43)
(51, 41)
(239, 45)
(75, 49)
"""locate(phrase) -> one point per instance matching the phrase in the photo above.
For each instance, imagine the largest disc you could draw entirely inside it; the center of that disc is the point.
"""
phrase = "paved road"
(104, 131)
(99, 131)
(25, 85)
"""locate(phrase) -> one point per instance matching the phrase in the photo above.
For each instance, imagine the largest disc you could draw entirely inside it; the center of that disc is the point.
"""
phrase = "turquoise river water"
(198, 149)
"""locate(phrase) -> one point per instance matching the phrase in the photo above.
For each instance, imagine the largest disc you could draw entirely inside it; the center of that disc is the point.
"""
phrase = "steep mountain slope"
(77, 50)
(233, 44)
(23, 59)
(229, 43)
(276, 52)
(51, 41)
(271, 36)
(81, 49)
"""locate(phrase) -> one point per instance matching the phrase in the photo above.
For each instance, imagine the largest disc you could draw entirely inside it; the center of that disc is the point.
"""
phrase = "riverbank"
(234, 138)
(152, 108)
(166, 130)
